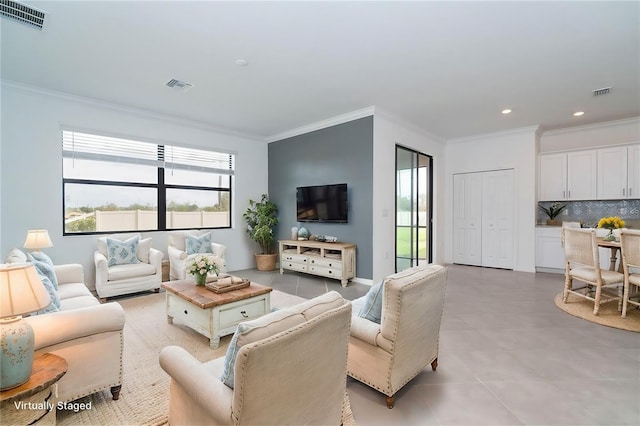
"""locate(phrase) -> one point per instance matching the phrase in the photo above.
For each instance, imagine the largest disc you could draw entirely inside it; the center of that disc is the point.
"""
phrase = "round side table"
(34, 402)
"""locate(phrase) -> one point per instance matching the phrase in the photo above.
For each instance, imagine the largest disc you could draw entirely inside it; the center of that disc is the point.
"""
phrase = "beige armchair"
(388, 355)
(630, 245)
(291, 370)
(179, 258)
(143, 275)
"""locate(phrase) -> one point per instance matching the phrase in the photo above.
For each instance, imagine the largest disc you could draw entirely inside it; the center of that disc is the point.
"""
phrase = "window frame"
(160, 185)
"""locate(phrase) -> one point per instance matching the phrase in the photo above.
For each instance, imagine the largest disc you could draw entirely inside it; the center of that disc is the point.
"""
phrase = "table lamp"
(37, 239)
(21, 292)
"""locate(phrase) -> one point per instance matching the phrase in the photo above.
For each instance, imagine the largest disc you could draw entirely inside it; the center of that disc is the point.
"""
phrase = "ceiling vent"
(22, 13)
(179, 85)
(603, 91)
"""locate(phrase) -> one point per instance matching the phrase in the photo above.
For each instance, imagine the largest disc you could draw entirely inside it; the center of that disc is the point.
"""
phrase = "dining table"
(615, 250)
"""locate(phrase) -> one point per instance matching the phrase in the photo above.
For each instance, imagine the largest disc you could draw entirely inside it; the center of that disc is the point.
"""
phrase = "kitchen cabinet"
(567, 176)
(619, 172)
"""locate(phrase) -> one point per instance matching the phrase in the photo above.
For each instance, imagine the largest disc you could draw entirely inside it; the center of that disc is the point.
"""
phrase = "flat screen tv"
(322, 203)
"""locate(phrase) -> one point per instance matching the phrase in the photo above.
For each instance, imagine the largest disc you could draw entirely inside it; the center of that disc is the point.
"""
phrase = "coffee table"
(215, 314)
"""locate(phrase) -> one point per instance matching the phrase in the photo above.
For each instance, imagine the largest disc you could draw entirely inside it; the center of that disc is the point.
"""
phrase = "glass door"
(414, 175)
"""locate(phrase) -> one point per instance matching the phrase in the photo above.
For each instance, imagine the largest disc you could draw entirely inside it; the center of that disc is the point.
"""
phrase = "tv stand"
(332, 260)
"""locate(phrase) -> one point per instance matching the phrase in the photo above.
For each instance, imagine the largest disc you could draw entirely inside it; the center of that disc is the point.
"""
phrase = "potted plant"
(553, 211)
(262, 217)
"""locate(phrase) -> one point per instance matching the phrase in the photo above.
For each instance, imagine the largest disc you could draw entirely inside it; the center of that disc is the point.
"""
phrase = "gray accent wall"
(339, 154)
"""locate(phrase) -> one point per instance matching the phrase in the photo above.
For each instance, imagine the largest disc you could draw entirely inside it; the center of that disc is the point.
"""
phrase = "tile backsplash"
(590, 212)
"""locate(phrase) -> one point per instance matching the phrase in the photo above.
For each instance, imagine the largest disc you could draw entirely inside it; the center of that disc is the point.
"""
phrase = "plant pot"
(553, 222)
(266, 262)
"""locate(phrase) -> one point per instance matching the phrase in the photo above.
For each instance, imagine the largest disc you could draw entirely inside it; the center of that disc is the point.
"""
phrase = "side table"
(34, 402)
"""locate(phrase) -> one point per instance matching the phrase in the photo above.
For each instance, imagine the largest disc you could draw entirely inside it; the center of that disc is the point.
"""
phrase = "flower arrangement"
(201, 266)
(554, 209)
(613, 222)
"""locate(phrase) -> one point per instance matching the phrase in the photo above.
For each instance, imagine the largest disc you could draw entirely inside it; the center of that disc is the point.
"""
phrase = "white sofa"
(131, 278)
(289, 370)
(86, 333)
(386, 356)
(178, 257)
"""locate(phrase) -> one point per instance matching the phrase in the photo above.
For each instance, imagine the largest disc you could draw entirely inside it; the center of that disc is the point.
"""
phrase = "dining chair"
(630, 246)
(583, 264)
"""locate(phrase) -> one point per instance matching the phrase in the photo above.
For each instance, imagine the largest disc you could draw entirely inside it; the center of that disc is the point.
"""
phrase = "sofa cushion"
(122, 272)
(78, 302)
(47, 270)
(122, 252)
(372, 308)
(68, 291)
(254, 330)
(15, 256)
(198, 244)
(41, 256)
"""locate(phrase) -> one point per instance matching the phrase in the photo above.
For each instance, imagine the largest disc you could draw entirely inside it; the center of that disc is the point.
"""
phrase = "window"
(114, 184)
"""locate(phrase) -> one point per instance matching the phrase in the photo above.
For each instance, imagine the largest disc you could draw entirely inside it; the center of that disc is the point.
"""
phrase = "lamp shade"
(21, 291)
(37, 239)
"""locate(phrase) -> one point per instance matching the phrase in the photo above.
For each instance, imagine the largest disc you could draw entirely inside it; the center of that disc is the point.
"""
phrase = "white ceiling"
(447, 67)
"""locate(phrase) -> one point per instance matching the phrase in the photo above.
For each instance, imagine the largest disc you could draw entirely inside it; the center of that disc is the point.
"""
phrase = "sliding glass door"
(414, 176)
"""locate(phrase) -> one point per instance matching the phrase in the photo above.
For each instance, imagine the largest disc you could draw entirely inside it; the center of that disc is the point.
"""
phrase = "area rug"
(608, 314)
(144, 399)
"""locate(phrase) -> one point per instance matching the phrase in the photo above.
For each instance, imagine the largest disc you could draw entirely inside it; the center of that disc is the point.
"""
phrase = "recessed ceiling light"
(506, 111)
(242, 62)
(578, 114)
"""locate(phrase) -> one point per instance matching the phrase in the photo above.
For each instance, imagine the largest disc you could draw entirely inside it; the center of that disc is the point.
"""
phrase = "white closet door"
(467, 221)
(497, 219)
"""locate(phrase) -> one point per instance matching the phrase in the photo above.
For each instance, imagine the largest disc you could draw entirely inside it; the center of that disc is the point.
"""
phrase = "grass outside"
(403, 242)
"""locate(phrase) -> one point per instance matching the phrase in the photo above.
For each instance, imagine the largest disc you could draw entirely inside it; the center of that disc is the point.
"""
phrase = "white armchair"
(179, 258)
(115, 280)
(386, 356)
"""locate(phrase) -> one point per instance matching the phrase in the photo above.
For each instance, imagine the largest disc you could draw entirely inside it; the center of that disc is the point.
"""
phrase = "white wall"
(387, 132)
(31, 168)
(506, 150)
(609, 133)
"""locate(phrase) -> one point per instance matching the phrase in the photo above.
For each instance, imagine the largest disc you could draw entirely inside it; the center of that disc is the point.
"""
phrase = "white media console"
(332, 260)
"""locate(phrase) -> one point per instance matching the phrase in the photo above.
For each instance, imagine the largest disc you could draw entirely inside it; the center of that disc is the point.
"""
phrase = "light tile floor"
(508, 356)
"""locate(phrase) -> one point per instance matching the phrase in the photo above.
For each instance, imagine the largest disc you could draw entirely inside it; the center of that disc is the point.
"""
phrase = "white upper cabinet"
(552, 172)
(581, 175)
(567, 176)
(619, 172)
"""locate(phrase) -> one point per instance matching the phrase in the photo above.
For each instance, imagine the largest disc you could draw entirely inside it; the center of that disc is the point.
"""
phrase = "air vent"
(603, 91)
(179, 85)
(22, 13)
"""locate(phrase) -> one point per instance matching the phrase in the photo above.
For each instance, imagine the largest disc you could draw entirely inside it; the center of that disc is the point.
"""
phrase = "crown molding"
(529, 129)
(594, 126)
(401, 122)
(329, 122)
(129, 110)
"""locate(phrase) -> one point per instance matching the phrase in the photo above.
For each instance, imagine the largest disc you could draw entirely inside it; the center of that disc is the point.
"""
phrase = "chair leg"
(596, 303)
(434, 364)
(567, 286)
(115, 392)
(625, 301)
(390, 401)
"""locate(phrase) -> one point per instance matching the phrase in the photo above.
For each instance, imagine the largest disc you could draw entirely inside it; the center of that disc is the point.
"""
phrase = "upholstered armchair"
(185, 245)
(290, 369)
(124, 266)
(388, 354)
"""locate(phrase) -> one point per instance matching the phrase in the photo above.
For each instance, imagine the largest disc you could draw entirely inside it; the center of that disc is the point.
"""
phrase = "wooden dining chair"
(583, 264)
(630, 246)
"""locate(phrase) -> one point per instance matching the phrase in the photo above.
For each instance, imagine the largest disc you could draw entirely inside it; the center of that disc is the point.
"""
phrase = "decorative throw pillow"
(201, 244)
(44, 269)
(54, 306)
(38, 255)
(122, 252)
(372, 308)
